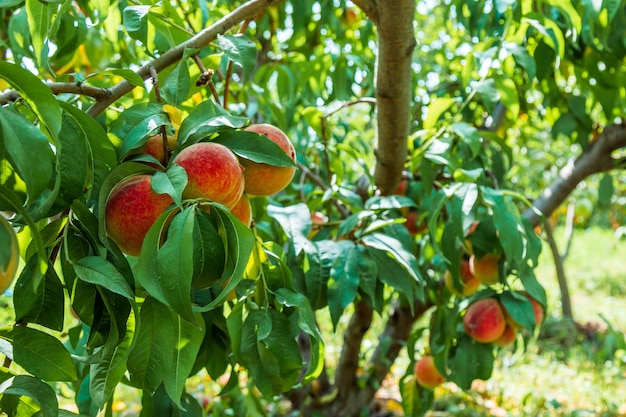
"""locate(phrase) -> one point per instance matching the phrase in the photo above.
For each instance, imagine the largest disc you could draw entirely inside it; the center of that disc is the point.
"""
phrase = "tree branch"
(396, 42)
(595, 158)
(244, 12)
(98, 93)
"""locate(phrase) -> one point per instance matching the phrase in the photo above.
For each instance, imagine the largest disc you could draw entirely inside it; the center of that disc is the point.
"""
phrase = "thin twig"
(229, 68)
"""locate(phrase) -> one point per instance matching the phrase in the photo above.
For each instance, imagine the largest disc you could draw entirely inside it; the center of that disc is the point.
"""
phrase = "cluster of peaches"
(486, 320)
(214, 173)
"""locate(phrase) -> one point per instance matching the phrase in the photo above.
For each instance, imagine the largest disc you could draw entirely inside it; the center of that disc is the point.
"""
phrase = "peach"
(414, 224)
(11, 252)
(213, 173)
(484, 320)
(264, 179)
(131, 209)
(243, 210)
(154, 147)
(427, 374)
(508, 336)
(469, 281)
(485, 269)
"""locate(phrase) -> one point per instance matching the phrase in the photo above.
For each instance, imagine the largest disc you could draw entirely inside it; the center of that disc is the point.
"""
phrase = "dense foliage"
(503, 94)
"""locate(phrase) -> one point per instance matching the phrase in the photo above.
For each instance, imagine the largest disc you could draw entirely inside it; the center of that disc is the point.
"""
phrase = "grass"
(570, 370)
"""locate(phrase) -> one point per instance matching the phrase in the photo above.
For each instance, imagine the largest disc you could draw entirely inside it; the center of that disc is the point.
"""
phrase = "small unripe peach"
(469, 281)
(213, 173)
(131, 209)
(484, 320)
(264, 179)
(508, 336)
(486, 269)
(427, 374)
(154, 147)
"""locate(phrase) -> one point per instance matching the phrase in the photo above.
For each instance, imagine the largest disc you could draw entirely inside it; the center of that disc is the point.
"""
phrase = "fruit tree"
(218, 187)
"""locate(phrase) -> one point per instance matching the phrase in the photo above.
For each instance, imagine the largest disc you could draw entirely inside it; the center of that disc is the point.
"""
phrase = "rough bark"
(396, 42)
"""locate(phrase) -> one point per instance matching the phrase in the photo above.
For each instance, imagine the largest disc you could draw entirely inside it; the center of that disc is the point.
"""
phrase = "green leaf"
(102, 155)
(99, 271)
(40, 353)
(488, 91)
(270, 352)
(392, 273)
(152, 353)
(135, 20)
(519, 308)
(436, 109)
(403, 256)
(146, 271)
(39, 18)
(368, 276)
(39, 391)
(239, 244)
(507, 220)
(175, 87)
(522, 58)
(470, 135)
(174, 261)
(36, 94)
(27, 149)
(295, 220)
(472, 360)
(204, 120)
(105, 374)
(389, 202)
(255, 147)
(606, 190)
(187, 340)
(171, 182)
(241, 50)
(42, 304)
(343, 284)
(135, 123)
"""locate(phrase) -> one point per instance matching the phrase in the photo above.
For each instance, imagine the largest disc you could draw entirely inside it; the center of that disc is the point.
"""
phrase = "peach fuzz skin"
(263, 179)
(213, 173)
(484, 320)
(427, 374)
(131, 209)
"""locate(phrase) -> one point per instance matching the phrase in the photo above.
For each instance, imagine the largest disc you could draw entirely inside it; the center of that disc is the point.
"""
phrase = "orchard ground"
(568, 371)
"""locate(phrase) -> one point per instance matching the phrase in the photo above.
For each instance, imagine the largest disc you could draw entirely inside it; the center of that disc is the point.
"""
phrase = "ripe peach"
(243, 210)
(263, 179)
(508, 336)
(10, 249)
(485, 269)
(213, 173)
(484, 320)
(470, 283)
(131, 209)
(427, 374)
(154, 147)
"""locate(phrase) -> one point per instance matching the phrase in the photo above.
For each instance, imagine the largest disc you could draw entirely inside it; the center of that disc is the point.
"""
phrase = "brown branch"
(244, 12)
(396, 43)
(566, 305)
(594, 159)
(352, 339)
(59, 88)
